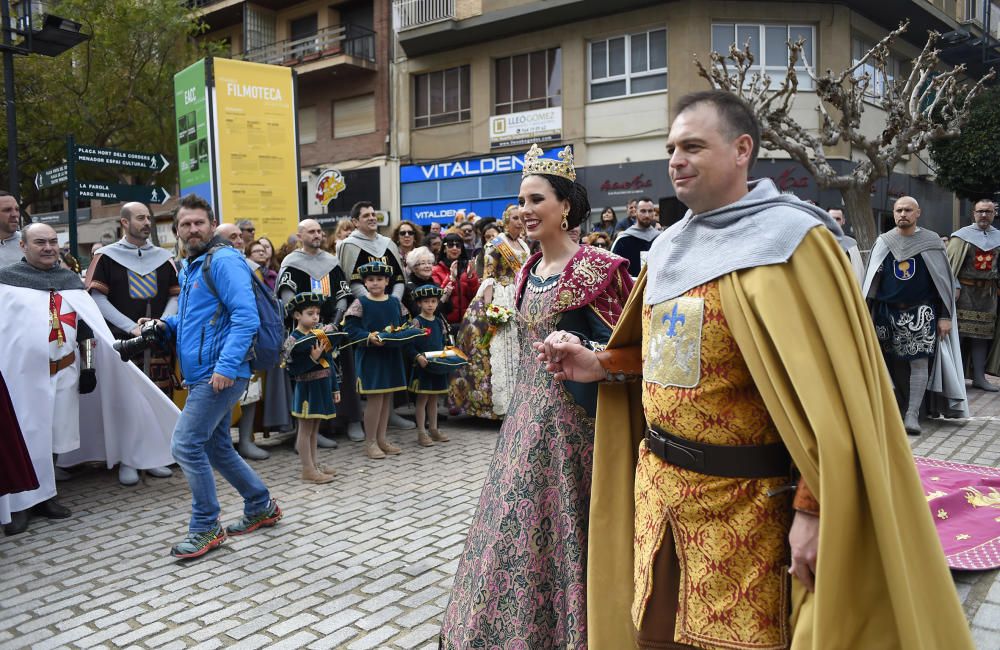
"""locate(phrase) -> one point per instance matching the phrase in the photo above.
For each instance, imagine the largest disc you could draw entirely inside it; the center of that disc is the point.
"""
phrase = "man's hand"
(570, 362)
(944, 327)
(219, 382)
(137, 329)
(804, 541)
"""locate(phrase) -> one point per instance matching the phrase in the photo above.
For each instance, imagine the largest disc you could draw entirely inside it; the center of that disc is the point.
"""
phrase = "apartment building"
(474, 75)
(340, 52)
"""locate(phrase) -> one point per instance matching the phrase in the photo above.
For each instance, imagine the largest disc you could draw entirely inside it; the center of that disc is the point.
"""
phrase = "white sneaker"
(399, 422)
(127, 475)
(160, 472)
(355, 432)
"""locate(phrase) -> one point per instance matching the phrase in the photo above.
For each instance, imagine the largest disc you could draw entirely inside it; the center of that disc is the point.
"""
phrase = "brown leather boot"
(423, 439)
(373, 451)
(437, 436)
(316, 476)
(387, 447)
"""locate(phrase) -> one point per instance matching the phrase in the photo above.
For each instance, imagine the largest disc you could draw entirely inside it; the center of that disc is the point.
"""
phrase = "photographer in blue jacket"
(213, 332)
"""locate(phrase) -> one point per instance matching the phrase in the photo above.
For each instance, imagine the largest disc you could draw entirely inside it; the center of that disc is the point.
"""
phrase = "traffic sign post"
(52, 177)
(154, 162)
(118, 192)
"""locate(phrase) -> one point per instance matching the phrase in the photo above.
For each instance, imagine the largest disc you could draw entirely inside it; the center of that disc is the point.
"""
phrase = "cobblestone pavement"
(364, 562)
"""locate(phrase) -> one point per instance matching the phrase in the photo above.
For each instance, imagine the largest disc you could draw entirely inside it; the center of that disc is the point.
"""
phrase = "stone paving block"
(251, 626)
(988, 616)
(57, 641)
(417, 636)
(139, 633)
(373, 639)
(337, 621)
(102, 635)
(382, 584)
(335, 640)
(289, 625)
(254, 642)
(378, 618)
(383, 599)
(419, 615)
(214, 630)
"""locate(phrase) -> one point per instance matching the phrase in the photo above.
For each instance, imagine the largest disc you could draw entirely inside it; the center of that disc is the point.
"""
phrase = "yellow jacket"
(807, 338)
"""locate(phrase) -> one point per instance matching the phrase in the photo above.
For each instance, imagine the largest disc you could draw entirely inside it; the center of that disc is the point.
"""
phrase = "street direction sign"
(116, 192)
(155, 162)
(51, 177)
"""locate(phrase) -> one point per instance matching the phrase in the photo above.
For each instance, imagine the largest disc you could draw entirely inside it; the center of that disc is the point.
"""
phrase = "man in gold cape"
(869, 572)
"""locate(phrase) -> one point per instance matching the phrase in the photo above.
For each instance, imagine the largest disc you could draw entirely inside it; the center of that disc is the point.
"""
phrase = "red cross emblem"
(983, 260)
(57, 319)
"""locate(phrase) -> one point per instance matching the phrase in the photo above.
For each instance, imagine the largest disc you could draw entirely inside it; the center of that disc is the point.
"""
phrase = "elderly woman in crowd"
(483, 387)
(456, 274)
(419, 269)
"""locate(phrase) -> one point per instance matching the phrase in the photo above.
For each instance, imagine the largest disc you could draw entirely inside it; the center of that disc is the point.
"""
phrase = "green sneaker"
(197, 544)
(250, 523)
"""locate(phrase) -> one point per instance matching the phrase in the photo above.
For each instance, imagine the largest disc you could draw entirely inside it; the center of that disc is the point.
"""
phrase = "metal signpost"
(77, 189)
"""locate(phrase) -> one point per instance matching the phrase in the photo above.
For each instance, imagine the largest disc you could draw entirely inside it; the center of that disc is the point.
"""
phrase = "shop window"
(307, 125)
(354, 116)
(441, 97)
(632, 64)
(769, 46)
(459, 189)
(500, 186)
(419, 192)
(528, 81)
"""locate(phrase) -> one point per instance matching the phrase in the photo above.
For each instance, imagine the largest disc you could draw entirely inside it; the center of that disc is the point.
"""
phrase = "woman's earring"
(565, 224)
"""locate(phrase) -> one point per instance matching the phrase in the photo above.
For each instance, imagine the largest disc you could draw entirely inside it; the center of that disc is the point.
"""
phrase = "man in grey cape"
(365, 245)
(132, 279)
(910, 287)
(312, 269)
(973, 252)
(634, 242)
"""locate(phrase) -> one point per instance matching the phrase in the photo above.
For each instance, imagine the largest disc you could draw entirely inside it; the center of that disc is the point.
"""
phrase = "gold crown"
(535, 164)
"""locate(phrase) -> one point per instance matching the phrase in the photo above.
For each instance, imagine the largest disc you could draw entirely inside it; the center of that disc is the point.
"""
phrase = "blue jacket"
(207, 345)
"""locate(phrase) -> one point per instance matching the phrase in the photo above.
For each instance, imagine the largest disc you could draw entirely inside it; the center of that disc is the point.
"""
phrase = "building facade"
(479, 80)
(340, 51)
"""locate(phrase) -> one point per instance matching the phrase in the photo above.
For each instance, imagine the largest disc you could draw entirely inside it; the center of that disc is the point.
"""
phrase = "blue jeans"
(201, 442)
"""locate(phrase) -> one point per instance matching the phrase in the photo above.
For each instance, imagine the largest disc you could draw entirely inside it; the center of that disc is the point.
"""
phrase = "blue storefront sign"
(436, 191)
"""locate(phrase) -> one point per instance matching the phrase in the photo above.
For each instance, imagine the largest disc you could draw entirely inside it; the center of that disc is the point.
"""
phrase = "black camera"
(150, 338)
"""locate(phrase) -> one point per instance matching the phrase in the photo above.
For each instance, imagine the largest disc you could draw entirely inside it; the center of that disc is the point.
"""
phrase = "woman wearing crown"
(483, 388)
(521, 578)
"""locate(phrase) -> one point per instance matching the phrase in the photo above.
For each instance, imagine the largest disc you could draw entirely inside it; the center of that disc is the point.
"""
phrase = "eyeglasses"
(985, 212)
(248, 229)
(406, 233)
(453, 244)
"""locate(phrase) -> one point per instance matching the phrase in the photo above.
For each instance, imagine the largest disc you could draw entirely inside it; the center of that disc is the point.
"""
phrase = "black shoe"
(52, 509)
(18, 523)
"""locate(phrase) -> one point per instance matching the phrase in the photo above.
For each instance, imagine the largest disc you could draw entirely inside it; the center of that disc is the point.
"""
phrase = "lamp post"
(50, 37)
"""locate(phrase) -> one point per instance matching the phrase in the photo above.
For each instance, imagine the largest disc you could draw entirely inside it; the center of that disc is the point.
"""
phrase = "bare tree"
(929, 104)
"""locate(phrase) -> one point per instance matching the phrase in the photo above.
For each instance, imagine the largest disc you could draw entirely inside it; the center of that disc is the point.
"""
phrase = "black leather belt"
(731, 461)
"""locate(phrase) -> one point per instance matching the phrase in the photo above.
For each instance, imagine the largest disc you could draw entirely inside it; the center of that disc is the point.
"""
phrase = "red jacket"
(462, 291)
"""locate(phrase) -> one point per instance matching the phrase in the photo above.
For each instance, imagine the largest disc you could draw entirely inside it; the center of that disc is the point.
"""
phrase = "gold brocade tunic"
(730, 536)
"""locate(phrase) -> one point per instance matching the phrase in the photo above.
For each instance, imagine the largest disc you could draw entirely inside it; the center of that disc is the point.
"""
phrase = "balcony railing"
(352, 40)
(407, 14)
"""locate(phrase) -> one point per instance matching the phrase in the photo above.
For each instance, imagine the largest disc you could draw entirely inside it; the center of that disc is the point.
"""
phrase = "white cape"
(126, 419)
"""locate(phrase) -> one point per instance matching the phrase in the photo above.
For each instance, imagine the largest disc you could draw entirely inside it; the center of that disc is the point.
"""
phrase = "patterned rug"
(965, 502)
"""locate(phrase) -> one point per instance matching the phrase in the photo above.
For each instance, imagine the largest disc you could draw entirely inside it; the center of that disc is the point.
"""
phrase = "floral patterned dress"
(483, 388)
(521, 581)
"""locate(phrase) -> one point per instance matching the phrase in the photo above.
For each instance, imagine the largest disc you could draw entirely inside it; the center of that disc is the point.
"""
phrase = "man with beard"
(362, 246)
(911, 289)
(313, 270)
(129, 280)
(972, 253)
(71, 398)
(634, 242)
(213, 332)
(10, 235)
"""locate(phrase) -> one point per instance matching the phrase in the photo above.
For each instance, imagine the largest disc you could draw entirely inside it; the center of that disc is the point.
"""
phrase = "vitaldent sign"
(439, 171)
(542, 125)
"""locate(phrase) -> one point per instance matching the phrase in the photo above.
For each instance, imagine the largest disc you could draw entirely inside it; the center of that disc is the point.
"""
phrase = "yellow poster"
(255, 134)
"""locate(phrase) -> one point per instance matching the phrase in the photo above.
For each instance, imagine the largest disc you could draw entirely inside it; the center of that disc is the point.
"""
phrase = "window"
(354, 116)
(307, 125)
(878, 87)
(628, 65)
(974, 13)
(528, 81)
(768, 44)
(441, 97)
